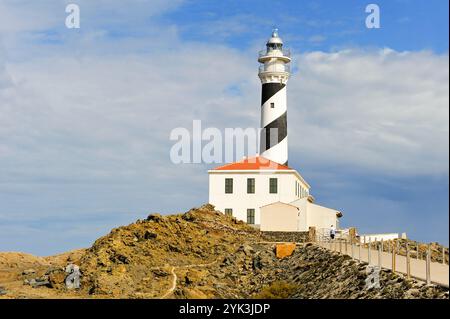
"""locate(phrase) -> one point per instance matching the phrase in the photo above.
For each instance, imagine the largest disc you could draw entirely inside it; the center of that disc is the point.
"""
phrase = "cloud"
(381, 111)
(31, 16)
(85, 117)
(107, 120)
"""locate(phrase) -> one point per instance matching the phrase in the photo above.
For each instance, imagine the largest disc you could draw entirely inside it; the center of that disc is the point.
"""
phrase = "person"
(332, 232)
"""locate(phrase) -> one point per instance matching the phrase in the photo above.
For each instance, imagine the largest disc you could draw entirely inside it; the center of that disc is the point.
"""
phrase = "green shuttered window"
(250, 185)
(228, 186)
(273, 187)
(251, 216)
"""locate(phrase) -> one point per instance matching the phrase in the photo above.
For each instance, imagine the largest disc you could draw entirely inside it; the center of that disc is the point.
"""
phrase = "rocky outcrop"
(202, 254)
(295, 237)
(310, 272)
(129, 261)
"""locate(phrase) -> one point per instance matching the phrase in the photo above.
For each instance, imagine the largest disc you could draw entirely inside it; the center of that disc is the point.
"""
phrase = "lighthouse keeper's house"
(269, 195)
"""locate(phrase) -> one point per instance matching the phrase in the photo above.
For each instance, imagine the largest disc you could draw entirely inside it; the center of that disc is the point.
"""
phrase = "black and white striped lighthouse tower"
(274, 73)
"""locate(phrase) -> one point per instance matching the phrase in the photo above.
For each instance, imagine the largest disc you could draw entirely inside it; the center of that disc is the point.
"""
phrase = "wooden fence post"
(353, 256)
(408, 262)
(393, 259)
(340, 245)
(428, 256)
(379, 256)
(359, 252)
(368, 251)
(345, 242)
(418, 251)
(352, 234)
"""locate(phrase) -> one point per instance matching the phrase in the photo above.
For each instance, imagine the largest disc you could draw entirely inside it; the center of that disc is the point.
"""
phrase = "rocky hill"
(199, 254)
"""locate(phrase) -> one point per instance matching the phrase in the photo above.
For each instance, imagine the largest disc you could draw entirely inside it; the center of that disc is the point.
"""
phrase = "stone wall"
(298, 237)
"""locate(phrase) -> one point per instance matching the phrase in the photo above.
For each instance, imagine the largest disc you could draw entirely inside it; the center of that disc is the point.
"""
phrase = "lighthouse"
(263, 190)
(274, 73)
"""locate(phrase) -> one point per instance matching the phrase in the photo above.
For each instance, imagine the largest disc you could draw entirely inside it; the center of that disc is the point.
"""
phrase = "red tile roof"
(253, 163)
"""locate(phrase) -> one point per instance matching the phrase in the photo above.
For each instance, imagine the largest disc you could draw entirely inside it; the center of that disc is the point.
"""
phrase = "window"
(228, 186)
(251, 216)
(250, 185)
(295, 188)
(228, 212)
(272, 105)
(273, 186)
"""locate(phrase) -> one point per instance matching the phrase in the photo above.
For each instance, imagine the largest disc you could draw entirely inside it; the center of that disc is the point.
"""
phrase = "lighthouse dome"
(274, 40)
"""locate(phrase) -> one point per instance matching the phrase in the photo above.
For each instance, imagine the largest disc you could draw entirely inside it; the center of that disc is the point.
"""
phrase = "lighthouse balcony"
(274, 68)
(283, 55)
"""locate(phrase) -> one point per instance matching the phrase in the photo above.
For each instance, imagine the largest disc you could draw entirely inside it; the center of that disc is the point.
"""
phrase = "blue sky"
(85, 115)
(317, 25)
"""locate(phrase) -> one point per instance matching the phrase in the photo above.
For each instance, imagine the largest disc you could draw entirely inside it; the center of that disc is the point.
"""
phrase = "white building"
(298, 215)
(264, 190)
(273, 196)
(242, 188)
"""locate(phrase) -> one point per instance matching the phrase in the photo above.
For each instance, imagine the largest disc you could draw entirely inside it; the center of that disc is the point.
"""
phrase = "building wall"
(302, 205)
(313, 215)
(378, 237)
(240, 201)
(279, 217)
(286, 236)
(321, 217)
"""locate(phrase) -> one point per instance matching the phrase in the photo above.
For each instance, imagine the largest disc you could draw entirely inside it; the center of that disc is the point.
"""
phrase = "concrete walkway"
(439, 273)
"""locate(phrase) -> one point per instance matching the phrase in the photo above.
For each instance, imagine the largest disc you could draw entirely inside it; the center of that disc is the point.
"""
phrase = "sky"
(86, 114)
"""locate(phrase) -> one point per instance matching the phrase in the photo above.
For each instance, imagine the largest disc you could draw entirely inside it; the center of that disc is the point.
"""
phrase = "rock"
(155, 218)
(208, 207)
(284, 250)
(257, 263)
(56, 277)
(149, 235)
(52, 270)
(38, 282)
(28, 272)
(174, 248)
(123, 259)
(246, 249)
(187, 280)
(226, 261)
(189, 216)
(160, 273)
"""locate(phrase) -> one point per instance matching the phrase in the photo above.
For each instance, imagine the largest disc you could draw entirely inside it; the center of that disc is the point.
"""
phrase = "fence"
(374, 254)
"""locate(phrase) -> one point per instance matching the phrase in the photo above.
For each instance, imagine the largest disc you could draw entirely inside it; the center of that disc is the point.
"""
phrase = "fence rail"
(422, 269)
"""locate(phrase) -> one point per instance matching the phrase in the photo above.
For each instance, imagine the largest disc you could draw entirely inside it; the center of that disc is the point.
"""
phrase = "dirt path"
(175, 277)
(173, 286)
